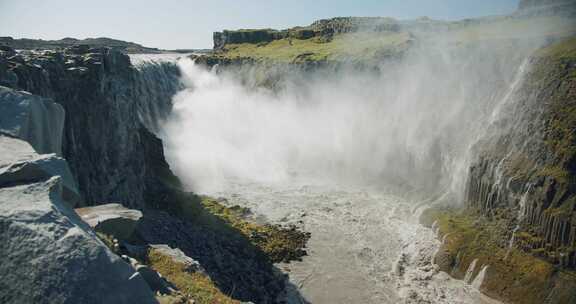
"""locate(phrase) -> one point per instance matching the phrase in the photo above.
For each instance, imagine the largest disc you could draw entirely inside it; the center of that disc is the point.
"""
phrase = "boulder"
(19, 164)
(112, 219)
(178, 256)
(50, 256)
(34, 119)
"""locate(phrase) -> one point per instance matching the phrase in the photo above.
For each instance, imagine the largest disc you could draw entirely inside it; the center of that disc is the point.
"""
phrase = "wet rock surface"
(528, 170)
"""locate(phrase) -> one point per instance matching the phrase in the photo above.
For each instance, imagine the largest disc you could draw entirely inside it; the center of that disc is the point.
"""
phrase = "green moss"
(196, 286)
(513, 275)
(343, 46)
(565, 210)
(560, 174)
(278, 243)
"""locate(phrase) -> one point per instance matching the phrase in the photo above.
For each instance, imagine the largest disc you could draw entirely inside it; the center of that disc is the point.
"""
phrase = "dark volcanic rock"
(235, 265)
(324, 28)
(528, 166)
(108, 102)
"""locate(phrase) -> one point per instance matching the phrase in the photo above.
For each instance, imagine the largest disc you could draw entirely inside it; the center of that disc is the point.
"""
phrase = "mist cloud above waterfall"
(408, 125)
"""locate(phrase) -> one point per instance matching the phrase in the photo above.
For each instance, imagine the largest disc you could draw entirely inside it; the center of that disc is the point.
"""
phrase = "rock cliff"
(109, 110)
(529, 165)
(517, 230)
(49, 255)
(109, 104)
(324, 29)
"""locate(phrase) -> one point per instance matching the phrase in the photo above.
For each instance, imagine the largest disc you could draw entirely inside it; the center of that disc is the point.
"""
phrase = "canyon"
(357, 159)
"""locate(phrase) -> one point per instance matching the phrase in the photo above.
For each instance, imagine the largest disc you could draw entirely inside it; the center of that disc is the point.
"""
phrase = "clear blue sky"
(189, 24)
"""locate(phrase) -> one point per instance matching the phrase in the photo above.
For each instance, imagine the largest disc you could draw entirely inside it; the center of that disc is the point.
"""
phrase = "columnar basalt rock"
(529, 167)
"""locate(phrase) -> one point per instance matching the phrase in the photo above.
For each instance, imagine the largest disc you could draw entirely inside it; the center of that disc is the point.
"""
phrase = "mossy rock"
(512, 275)
(194, 286)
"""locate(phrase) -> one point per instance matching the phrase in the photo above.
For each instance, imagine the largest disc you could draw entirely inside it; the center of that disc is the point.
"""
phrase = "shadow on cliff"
(238, 267)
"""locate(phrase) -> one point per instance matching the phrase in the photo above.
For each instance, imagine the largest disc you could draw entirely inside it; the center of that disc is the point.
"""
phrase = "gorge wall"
(100, 112)
(112, 107)
(532, 165)
(516, 230)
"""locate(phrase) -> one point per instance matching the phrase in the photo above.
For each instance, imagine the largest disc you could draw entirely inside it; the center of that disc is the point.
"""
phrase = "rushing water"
(343, 155)
(366, 246)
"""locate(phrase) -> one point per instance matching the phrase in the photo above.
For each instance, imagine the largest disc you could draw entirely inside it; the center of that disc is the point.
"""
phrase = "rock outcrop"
(50, 256)
(324, 28)
(112, 219)
(518, 226)
(109, 102)
(20, 164)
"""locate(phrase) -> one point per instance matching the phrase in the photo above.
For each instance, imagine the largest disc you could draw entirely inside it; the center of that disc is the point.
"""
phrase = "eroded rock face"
(50, 256)
(111, 219)
(108, 102)
(526, 170)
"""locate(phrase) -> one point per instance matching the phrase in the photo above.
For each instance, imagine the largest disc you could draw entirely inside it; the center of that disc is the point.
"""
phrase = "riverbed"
(366, 246)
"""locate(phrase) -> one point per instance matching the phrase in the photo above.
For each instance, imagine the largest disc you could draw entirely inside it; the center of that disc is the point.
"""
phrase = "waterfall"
(401, 128)
(157, 80)
(519, 217)
(470, 271)
(479, 280)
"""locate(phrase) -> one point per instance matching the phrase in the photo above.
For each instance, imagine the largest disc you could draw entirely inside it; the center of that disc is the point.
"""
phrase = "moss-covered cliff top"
(363, 38)
(343, 46)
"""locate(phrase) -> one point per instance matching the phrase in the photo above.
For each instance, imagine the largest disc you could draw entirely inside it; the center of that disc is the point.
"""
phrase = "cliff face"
(323, 29)
(48, 254)
(517, 231)
(108, 102)
(529, 166)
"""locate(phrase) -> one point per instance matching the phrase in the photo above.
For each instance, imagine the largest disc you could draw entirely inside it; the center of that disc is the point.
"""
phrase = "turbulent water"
(351, 156)
(366, 246)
